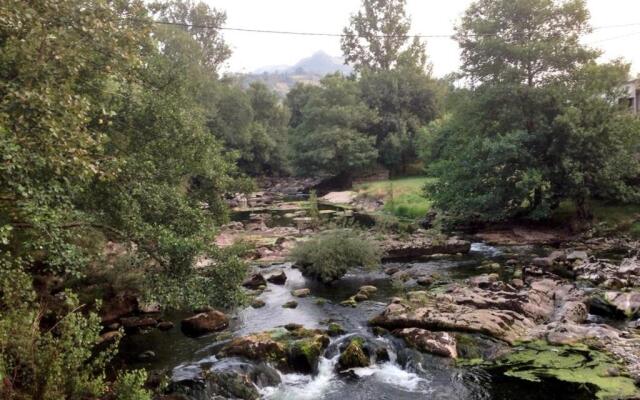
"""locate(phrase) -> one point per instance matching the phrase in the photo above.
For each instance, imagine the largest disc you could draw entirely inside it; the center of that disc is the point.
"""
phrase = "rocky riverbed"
(444, 318)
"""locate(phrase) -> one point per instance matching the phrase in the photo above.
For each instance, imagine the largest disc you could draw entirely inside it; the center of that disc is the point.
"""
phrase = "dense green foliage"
(374, 116)
(331, 134)
(53, 356)
(104, 137)
(540, 124)
(254, 123)
(331, 254)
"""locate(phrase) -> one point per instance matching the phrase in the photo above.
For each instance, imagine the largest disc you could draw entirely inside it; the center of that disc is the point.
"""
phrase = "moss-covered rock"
(335, 329)
(353, 356)
(295, 349)
(290, 304)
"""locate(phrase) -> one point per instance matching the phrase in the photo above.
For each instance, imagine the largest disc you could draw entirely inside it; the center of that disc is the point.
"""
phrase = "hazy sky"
(253, 50)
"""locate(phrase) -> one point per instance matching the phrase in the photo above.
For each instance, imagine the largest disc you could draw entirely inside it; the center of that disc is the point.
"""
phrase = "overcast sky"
(254, 50)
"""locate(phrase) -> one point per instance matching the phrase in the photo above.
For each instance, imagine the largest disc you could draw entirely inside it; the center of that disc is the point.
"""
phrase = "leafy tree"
(377, 38)
(200, 21)
(541, 123)
(331, 137)
(254, 123)
(406, 99)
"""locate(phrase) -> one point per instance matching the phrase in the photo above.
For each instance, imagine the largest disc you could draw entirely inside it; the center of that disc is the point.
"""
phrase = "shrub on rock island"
(328, 256)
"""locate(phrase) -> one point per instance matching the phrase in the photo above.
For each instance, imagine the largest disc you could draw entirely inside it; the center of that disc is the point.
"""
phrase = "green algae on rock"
(353, 355)
(579, 364)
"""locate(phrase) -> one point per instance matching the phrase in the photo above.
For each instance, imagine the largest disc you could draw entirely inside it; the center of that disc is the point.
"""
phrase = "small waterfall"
(306, 387)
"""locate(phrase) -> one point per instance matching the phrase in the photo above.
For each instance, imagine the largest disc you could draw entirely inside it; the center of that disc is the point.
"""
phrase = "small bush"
(328, 256)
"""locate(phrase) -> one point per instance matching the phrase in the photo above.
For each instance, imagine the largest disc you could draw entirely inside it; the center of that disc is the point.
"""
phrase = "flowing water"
(408, 374)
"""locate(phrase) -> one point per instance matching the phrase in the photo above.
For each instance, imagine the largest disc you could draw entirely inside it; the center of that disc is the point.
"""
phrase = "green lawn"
(624, 218)
(402, 197)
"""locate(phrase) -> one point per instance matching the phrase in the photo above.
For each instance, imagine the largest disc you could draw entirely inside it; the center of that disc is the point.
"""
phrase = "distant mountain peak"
(319, 63)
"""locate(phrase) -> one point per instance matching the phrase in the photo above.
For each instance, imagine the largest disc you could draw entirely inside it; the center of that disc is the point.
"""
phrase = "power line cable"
(327, 34)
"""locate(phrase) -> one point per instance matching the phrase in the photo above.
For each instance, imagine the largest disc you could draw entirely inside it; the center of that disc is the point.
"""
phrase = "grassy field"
(402, 197)
(623, 218)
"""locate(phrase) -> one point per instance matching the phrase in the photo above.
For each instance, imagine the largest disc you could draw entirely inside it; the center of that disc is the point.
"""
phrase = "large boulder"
(438, 343)
(497, 310)
(203, 323)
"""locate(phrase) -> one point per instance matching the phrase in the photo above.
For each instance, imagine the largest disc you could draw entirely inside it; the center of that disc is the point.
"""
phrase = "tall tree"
(377, 37)
(332, 137)
(202, 22)
(541, 123)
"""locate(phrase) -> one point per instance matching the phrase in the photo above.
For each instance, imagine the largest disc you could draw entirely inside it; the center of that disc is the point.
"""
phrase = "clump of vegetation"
(45, 356)
(329, 255)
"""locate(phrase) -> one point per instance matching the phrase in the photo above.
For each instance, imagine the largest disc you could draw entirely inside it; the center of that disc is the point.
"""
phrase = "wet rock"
(335, 329)
(626, 303)
(279, 278)
(257, 303)
(424, 281)
(391, 270)
(133, 324)
(418, 246)
(501, 314)
(290, 304)
(438, 343)
(146, 355)
(165, 325)
(353, 356)
(368, 289)
(293, 326)
(301, 292)
(359, 297)
(152, 307)
(203, 323)
(255, 281)
(350, 302)
(577, 255)
(297, 350)
(109, 337)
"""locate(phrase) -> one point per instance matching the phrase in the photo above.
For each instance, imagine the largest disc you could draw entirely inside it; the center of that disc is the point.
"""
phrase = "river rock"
(258, 303)
(278, 278)
(203, 323)
(368, 289)
(298, 350)
(438, 343)
(255, 281)
(290, 304)
(419, 246)
(165, 325)
(131, 324)
(353, 355)
(504, 314)
(301, 292)
(627, 303)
